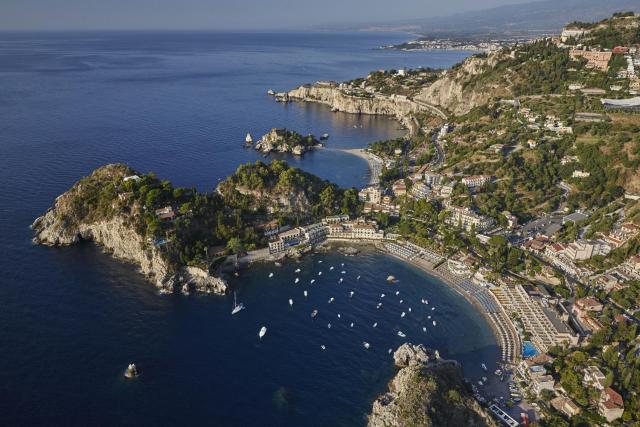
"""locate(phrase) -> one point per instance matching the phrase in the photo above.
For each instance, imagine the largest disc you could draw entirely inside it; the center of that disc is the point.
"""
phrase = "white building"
(420, 190)
(370, 194)
(468, 219)
(475, 181)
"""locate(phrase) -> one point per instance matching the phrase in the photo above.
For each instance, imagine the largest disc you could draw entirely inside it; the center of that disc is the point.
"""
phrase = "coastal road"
(431, 108)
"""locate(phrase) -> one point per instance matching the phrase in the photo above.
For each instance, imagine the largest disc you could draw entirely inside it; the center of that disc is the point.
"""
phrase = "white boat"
(342, 264)
(484, 379)
(323, 347)
(277, 264)
(319, 261)
(319, 273)
(343, 272)
(484, 367)
(297, 270)
(480, 383)
(236, 307)
(131, 371)
(397, 292)
(401, 334)
(428, 317)
(401, 301)
(290, 302)
(329, 325)
(312, 280)
(381, 295)
(248, 139)
(263, 331)
(351, 294)
(358, 278)
(390, 278)
(324, 136)
(331, 268)
(270, 275)
(434, 323)
(424, 329)
(339, 315)
(409, 310)
(297, 280)
(390, 351)
(379, 306)
(433, 308)
(366, 345)
(340, 281)
(314, 313)
(331, 300)
(305, 294)
(375, 325)
(403, 314)
(351, 325)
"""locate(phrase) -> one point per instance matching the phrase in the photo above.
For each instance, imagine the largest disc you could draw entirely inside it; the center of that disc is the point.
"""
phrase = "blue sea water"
(180, 104)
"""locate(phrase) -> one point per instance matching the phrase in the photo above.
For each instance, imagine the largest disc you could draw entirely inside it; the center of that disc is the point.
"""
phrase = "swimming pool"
(529, 350)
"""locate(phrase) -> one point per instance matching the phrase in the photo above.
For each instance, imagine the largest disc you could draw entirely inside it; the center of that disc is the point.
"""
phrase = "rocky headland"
(427, 391)
(286, 141)
(100, 208)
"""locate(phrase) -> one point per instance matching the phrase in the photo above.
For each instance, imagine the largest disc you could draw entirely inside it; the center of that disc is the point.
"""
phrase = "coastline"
(375, 163)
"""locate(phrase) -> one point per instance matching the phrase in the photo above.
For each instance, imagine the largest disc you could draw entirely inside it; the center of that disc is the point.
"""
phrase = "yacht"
(366, 345)
(237, 308)
(390, 278)
(401, 334)
(131, 371)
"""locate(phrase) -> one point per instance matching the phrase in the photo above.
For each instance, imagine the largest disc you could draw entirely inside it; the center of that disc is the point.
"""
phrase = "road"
(431, 108)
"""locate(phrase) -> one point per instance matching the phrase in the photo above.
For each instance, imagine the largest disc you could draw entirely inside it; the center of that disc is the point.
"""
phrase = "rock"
(203, 281)
(286, 141)
(410, 355)
(427, 392)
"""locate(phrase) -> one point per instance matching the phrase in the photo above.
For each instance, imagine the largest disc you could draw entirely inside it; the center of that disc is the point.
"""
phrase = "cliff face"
(66, 223)
(427, 391)
(399, 107)
(453, 92)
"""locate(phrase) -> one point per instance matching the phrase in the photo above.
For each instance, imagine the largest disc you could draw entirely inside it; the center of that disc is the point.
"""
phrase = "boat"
(381, 295)
(480, 383)
(379, 306)
(297, 270)
(434, 323)
(403, 314)
(433, 308)
(270, 275)
(484, 379)
(497, 372)
(297, 280)
(290, 302)
(428, 317)
(271, 92)
(319, 273)
(236, 274)
(343, 272)
(484, 367)
(351, 325)
(329, 325)
(401, 301)
(390, 351)
(409, 310)
(401, 334)
(263, 331)
(375, 325)
(351, 294)
(324, 136)
(131, 371)
(277, 264)
(340, 281)
(313, 280)
(248, 139)
(305, 294)
(424, 329)
(237, 308)
(339, 315)
(314, 314)
(331, 268)
(391, 278)
(358, 278)
(320, 261)
(331, 300)
(397, 292)
(366, 345)
(323, 347)
(342, 264)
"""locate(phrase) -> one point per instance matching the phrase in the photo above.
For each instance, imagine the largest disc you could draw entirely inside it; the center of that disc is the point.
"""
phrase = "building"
(544, 382)
(399, 188)
(475, 181)
(568, 33)
(581, 250)
(512, 220)
(468, 219)
(595, 59)
(165, 214)
(587, 305)
(593, 377)
(358, 230)
(432, 179)
(370, 194)
(314, 233)
(420, 190)
(565, 405)
(611, 404)
(286, 240)
(580, 174)
(335, 219)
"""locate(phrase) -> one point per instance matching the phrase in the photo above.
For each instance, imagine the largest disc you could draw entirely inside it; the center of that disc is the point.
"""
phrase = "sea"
(180, 104)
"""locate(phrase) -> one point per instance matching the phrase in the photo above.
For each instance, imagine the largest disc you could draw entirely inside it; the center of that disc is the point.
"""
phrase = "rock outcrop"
(455, 90)
(427, 391)
(400, 107)
(286, 141)
(67, 223)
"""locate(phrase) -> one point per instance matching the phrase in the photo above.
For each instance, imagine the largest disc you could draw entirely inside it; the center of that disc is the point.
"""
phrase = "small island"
(286, 141)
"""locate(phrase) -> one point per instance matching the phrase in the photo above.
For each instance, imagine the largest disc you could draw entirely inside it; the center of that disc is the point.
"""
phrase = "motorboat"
(290, 302)
(401, 334)
(391, 278)
(332, 299)
(403, 314)
(270, 275)
(297, 270)
(297, 280)
(379, 306)
(351, 294)
(262, 331)
(434, 323)
(314, 314)
(484, 367)
(375, 325)
(305, 294)
(366, 345)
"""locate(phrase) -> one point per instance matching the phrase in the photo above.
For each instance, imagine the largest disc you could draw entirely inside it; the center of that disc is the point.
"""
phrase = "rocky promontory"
(286, 141)
(427, 391)
(103, 208)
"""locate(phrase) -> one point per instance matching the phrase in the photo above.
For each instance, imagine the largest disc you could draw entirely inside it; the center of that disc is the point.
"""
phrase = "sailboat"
(236, 307)
(263, 331)
(249, 139)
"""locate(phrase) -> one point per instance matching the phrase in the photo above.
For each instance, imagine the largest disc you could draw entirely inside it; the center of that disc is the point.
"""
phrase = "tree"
(234, 245)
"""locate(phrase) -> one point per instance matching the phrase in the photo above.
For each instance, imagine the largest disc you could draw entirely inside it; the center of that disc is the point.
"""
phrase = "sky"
(220, 14)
